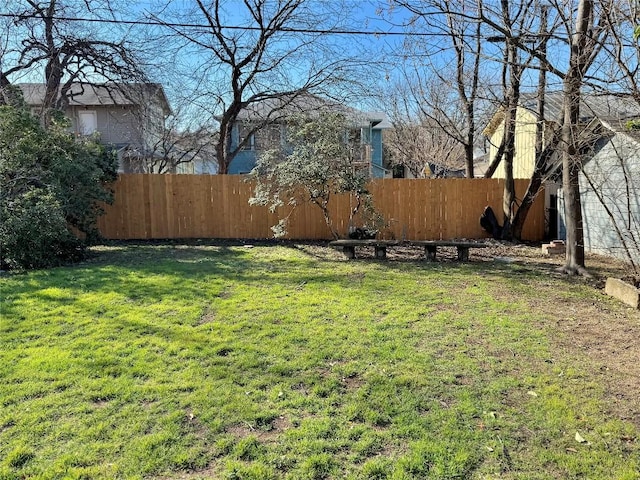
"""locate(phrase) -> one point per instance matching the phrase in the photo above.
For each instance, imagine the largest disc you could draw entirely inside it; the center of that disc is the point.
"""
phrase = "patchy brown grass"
(605, 335)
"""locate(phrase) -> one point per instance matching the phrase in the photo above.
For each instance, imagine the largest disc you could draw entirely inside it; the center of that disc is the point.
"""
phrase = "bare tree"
(521, 32)
(584, 37)
(178, 148)
(458, 25)
(542, 152)
(417, 142)
(512, 97)
(64, 51)
(279, 52)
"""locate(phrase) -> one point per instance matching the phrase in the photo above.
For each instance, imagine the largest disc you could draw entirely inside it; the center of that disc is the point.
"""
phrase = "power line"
(158, 23)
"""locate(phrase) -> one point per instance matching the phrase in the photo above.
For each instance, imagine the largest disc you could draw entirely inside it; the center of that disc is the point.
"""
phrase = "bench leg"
(381, 253)
(349, 252)
(463, 254)
(430, 252)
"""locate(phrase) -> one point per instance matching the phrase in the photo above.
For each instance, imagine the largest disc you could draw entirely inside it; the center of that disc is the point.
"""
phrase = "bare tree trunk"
(470, 101)
(578, 63)
(509, 196)
(224, 154)
(570, 186)
(495, 161)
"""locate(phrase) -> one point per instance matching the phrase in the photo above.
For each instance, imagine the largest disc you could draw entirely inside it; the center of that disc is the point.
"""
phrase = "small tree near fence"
(320, 157)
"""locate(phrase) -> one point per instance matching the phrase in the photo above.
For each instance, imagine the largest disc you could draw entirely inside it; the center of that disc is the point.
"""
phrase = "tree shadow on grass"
(150, 272)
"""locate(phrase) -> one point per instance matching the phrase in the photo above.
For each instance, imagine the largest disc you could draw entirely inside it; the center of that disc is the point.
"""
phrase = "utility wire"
(157, 23)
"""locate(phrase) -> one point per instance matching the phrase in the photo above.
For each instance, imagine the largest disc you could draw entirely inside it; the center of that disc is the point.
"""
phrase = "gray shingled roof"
(84, 94)
(282, 107)
(612, 108)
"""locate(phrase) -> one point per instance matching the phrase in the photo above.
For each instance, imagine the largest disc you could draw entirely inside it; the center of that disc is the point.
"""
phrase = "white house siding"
(611, 200)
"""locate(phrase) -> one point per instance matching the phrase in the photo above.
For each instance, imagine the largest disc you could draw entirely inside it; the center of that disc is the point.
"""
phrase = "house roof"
(312, 105)
(614, 109)
(610, 107)
(86, 94)
(634, 135)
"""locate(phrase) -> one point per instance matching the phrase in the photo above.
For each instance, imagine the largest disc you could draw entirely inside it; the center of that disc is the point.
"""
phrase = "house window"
(245, 135)
(365, 135)
(87, 122)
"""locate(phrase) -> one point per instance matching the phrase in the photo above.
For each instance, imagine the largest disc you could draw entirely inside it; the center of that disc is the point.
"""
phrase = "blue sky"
(362, 15)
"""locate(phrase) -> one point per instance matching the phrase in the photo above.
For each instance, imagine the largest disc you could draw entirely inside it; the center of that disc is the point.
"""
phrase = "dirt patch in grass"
(267, 434)
(609, 349)
(208, 316)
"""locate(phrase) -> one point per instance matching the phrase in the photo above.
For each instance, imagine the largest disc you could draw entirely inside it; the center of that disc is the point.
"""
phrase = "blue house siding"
(245, 160)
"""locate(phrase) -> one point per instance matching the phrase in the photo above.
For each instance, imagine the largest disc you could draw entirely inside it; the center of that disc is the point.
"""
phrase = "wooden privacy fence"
(153, 206)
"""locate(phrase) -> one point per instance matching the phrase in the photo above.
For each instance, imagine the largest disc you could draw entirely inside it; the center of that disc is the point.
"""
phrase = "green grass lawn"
(284, 362)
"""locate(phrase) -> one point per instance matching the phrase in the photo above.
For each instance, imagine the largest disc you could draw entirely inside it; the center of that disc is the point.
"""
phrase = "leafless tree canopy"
(424, 138)
(277, 54)
(180, 145)
(453, 61)
(40, 43)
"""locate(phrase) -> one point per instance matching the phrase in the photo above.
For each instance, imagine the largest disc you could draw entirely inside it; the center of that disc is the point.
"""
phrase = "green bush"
(34, 232)
(50, 185)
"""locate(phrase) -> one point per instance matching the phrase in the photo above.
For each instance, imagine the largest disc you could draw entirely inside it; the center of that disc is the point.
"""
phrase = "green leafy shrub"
(34, 232)
(50, 185)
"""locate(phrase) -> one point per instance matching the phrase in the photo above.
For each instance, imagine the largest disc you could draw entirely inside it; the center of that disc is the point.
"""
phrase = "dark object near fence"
(362, 234)
(489, 223)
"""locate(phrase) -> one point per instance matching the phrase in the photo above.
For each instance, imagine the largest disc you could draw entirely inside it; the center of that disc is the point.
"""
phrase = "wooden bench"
(431, 247)
(348, 247)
